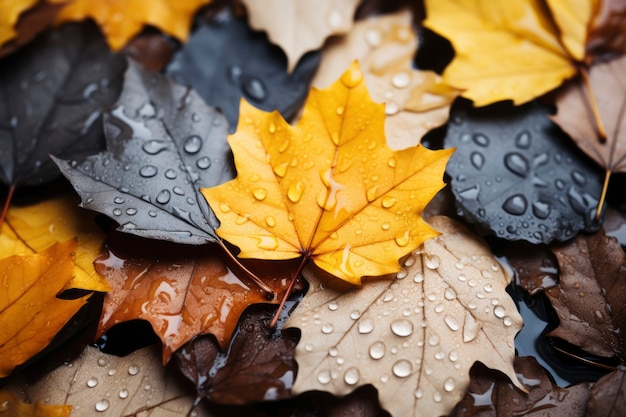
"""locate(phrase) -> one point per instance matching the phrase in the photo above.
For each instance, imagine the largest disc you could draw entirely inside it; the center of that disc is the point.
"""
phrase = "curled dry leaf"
(589, 299)
(258, 364)
(300, 26)
(516, 51)
(414, 336)
(29, 286)
(9, 403)
(109, 386)
(182, 291)
(121, 20)
(163, 143)
(32, 229)
(608, 395)
(416, 101)
(328, 189)
(490, 394)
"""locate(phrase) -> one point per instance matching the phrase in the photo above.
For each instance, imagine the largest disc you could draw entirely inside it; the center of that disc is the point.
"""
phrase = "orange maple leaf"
(328, 189)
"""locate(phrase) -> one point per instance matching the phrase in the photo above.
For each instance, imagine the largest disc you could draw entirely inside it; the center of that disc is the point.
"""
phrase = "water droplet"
(404, 239)
(92, 382)
(102, 362)
(523, 140)
(323, 377)
(123, 393)
(419, 393)
(270, 221)
(452, 323)
(333, 352)
(433, 340)
(499, 311)
(260, 194)
(517, 163)
(118, 200)
(195, 118)
(480, 140)
(507, 321)
(178, 191)
(477, 159)
(402, 327)
(437, 397)
(102, 405)
(131, 211)
(234, 73)
(111, 372)
(391, 108)
(401, 80)
(541, 210)
(515, 205)
(470, 327)
(488, 288)
(133, 370)
(453, 356)
(148, 171)
(470, 193)
(450, 294)
(295, 191)
(333, 306)
(170, 174)
(365, 326)
(340, 110)
(377, 350)
(204, 162)
(163, 197)
(255, 89)
(192, 144)
(373, 37)
(432, 261)
(388, 202)
(351, 376)
(352, 77)
(579, 178)
(402, 368)
(371, 193)
(355, 314)
(153, 147)
(117, 212)
(327, 328)
(559, 184)
(385, 226)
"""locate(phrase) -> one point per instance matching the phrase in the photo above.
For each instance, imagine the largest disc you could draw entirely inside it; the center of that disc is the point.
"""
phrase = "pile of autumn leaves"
(328, 190)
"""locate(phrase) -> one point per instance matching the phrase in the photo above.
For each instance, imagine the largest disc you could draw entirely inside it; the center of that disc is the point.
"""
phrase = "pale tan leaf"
(299, 26)
(414, 336)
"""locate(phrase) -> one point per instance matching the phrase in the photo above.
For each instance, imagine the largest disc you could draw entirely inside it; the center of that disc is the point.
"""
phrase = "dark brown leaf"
(608, 396)
(535, 265)
(31, 23)
(607, 30)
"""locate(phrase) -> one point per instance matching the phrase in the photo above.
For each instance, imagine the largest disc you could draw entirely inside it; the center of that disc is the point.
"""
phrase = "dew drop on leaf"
(365, 326)
(102, 405)
(402, 368)
(402, 327)
(377, 350)
(351, 376)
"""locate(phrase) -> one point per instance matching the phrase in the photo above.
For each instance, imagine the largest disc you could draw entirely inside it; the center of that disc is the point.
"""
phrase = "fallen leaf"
(16, 408)
(414, 336)
(30, 313)
(151, 49)
(608, 395)
(54, 91)
(536, 267)
(608, 81)
(299, 27)
(258, 364)
(490, 394)
(607, 29)
(163, 143)
(416, 101)
(329, 188)
(182, 291)
(32, 229)
(516, 51)
(249, 66)
(109, 386)
(589, 297)
(515, 175)
(11, 11)
(122, 20)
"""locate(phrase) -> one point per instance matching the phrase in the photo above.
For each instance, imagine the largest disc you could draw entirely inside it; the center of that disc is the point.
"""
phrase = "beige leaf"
(109, 386)
(416, 101)
(414, 336)
(299, 26)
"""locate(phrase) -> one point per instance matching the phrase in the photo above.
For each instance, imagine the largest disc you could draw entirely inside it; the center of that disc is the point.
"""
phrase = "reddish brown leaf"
(491, 394)
(589, 299)
(258, 365)
(182, 291)
(31, 23)
(607, 30)
(151, 49)
(608, 396)
(535, 265)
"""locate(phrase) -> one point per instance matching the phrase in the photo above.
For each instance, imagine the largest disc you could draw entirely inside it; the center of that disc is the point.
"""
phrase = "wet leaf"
(29, 287)
(31, 22)
(328, 188)
(589, 298)
(490, 394)
(11, 12)
(31, 229)
(414, 336)
(122, 20)
(10, 403)
(163, 143)
(607, 31)
(254, 70)
(151, 49)
(182, 291)
(106, 385)
(54, 92)
(258, 365)
(516, 51)
(536, 267)
(416, 101)
(515, 176)
(608, 395)
(310, 23)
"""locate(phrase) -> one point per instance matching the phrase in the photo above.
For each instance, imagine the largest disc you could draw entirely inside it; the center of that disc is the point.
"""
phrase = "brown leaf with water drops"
(490, 394)
(105, 385)
(182, 291)
(536, 267)
(416, 101)
(414, 336)
(608, 396)
(589, 299)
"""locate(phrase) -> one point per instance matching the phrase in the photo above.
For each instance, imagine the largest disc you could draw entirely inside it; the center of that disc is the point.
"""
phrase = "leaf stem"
(602, 199)
(250, 274)
(594, 105)
(294, 278)
(7, 202)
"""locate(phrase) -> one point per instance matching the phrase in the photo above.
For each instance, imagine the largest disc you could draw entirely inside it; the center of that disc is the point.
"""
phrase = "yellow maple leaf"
(10, 13)
(31, 229)
(328, 189)
(516, 50)
(30, 313)
(9, 402)
(121, 20)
